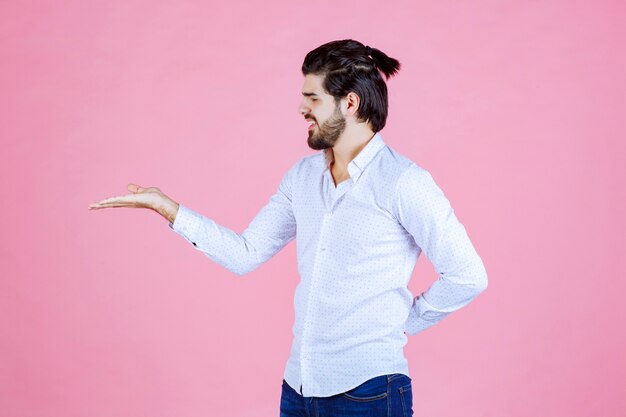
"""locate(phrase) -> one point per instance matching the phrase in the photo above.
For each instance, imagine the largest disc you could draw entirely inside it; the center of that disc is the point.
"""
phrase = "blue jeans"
(382, 396)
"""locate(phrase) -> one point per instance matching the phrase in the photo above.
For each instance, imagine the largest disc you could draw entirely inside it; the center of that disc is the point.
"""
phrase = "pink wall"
(516, 108)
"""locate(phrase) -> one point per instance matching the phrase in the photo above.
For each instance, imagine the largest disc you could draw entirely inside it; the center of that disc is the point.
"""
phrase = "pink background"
(516, 108)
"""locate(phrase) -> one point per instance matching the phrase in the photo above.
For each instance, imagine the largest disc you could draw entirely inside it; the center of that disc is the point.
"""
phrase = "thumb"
(135, 188)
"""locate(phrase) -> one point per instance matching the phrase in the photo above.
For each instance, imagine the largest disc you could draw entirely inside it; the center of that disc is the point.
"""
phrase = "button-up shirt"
(357, 244)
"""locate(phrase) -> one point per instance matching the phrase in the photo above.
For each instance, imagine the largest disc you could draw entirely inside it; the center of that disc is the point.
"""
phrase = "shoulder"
(300, 170)
(410, 182)
(313, 159)
(401, 170)
(414, 174)
(306, 165)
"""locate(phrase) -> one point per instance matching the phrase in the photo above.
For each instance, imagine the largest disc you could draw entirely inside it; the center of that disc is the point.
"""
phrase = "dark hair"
(348, 65)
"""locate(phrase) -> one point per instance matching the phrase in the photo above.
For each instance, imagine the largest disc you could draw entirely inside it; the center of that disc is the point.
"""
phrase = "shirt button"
(323, 249)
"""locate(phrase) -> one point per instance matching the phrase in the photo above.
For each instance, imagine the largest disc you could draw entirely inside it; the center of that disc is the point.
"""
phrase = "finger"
(95, 206)
(113, 205)
(121, 199)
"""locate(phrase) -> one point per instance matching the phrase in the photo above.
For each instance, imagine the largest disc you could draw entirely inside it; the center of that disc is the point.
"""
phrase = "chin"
(315, 145)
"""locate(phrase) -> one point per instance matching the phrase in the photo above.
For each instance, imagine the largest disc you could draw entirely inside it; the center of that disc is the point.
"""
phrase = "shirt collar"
(363, 158)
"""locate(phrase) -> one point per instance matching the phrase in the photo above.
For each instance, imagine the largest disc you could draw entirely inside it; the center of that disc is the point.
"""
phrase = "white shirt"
(357, 245)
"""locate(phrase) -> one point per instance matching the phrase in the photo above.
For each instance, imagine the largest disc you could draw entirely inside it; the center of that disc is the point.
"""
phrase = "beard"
(325, 135)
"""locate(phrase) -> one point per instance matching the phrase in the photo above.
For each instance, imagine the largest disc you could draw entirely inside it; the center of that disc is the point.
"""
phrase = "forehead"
(313, 84)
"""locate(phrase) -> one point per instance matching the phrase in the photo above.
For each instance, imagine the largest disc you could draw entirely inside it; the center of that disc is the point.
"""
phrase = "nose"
(303, 109)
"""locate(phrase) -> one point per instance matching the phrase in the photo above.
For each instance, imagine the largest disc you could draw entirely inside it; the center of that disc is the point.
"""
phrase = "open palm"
(140, 198)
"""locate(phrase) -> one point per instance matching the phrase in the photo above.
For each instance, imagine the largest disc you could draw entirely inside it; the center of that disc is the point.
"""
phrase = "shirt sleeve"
(425, 212)
(271, 229)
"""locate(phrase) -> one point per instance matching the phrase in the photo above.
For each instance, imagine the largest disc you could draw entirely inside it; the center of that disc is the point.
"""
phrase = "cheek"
(321, 116)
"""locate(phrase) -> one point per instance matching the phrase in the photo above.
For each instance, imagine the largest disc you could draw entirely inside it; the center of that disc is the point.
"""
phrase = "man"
(361, 214)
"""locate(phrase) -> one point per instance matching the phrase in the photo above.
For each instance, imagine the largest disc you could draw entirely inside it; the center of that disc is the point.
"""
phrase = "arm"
(272, 228)
(425, 212)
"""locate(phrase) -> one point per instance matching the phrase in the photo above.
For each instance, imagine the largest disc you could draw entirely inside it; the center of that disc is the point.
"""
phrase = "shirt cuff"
(422, 316)
(187, 223)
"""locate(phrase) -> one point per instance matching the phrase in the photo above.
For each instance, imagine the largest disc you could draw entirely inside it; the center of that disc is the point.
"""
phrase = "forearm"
(445, 296)
(238, 252)
(219, 243)
(416, 323)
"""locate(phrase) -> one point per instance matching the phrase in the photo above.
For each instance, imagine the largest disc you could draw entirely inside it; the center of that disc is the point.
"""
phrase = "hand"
(151, 198)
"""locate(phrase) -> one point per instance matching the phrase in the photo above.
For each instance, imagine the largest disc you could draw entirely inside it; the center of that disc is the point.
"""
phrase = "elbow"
(248, 261)
(239, 272)
(243, 268)
(481, 282)
(238, 265)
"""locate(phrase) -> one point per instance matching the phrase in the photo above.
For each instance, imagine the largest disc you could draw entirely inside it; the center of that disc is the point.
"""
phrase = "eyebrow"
(309, 94)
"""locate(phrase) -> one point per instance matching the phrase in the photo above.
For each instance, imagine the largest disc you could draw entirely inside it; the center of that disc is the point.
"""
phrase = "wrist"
(167, 208)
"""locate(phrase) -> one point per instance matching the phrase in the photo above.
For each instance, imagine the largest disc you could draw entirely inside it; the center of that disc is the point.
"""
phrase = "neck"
(349, 144)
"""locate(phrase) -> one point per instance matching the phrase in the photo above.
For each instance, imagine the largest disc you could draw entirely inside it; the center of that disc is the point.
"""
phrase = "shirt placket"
(310, 314)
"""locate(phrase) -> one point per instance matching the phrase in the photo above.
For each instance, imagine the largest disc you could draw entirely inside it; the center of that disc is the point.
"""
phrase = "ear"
(350, 104)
